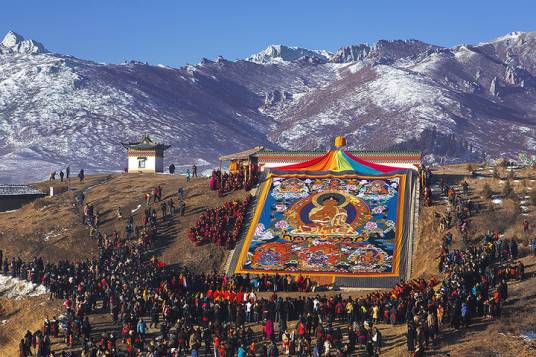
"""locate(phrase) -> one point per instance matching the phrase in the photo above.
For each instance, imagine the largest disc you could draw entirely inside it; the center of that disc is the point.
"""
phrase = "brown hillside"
(24, 233)
(504, 215)
(52, 227)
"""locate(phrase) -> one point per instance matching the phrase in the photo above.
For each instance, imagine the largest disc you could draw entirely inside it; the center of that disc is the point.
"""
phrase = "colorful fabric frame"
(299, 229)
(339, 161)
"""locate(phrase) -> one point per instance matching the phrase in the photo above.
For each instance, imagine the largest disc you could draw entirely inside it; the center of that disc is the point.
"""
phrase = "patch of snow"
(15, 43)
(53, 234)
(512, 36)
(282, 53)
(10, 211)
(206, 173)
(356, 67)
(524, 129)
(16, 288)
(497, 201)
(201, 162)
(136, 209)
(60, 106)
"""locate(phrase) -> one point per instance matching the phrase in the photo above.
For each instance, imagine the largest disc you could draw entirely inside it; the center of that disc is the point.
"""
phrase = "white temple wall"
(150, 164)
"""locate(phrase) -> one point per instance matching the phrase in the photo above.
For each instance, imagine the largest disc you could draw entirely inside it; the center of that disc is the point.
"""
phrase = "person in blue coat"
(141, 328)
(241, 351)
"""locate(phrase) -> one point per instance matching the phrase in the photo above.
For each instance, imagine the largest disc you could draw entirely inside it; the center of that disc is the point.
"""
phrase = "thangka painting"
(326, 225)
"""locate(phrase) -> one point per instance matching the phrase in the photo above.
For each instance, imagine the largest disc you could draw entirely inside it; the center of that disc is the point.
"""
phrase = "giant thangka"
(336, 215)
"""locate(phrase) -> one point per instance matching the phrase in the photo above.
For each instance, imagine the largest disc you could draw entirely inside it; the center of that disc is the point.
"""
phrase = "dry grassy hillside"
(501, 337)
(18, 316)
(51, 227)
(502, 214)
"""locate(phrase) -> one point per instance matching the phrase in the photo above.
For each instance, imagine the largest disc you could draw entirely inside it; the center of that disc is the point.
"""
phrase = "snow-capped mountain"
(457, 103)
(15, 43)
(282, 53)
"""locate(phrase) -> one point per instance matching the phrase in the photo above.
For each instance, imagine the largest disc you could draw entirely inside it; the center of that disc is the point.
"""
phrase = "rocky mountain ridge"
(15, 43)
(57, 110)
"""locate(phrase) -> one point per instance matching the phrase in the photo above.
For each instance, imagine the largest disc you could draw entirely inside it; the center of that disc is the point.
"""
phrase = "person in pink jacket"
(269, 330)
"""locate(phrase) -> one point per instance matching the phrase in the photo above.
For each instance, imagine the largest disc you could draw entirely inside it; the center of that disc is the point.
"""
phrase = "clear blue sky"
(179, 32)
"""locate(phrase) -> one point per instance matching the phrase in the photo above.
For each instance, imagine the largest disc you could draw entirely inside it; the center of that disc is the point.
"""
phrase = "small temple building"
(145, 156)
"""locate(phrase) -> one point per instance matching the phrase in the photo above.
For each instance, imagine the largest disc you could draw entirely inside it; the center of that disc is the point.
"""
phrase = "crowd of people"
(228, 182)
(224, 316)
(153, 196)
(191, 173)
(220, 225)
(65, 175)
(159, 312)
(119, 272)
(477, 275)
(135, 288)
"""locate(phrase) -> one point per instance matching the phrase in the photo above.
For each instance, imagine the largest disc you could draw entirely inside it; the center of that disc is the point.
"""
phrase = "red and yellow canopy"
(339, 160)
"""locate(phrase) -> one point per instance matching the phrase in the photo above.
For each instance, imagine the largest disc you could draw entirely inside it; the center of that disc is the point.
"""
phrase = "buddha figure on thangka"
(325, 224)
(327, 213)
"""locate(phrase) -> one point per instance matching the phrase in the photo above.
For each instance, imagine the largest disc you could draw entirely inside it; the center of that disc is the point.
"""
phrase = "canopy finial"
(340, 141)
